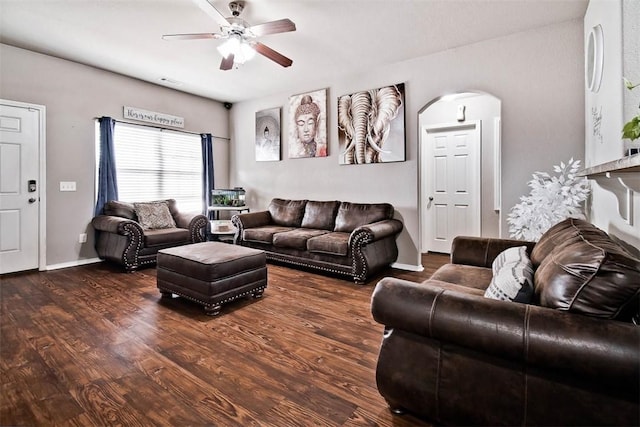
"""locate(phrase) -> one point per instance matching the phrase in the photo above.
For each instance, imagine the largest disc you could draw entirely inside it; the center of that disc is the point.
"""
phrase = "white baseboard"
(408, 267)
(72, 264)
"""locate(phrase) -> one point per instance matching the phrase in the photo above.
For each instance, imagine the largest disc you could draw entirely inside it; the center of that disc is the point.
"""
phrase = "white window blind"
(154, 164)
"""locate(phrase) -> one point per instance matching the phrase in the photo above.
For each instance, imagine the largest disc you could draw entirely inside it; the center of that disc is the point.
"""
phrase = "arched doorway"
(459, 169)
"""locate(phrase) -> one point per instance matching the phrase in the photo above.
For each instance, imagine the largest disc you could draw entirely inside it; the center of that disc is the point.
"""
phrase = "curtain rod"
(161, 128)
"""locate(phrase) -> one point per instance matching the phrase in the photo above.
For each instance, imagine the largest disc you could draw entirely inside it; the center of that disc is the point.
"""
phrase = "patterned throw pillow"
(154, 215)
(512, 276)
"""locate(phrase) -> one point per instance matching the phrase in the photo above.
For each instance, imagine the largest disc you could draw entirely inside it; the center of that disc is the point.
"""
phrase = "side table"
(221, 230)
(214, 211)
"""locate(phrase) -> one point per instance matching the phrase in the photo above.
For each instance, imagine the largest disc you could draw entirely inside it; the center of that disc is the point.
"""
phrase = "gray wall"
(618, 105)
(631, 57)
(538, 76)
(73, 95)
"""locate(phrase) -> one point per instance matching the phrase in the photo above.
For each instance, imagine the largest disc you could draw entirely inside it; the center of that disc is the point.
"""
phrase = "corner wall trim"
(408, 267)
(77, 263)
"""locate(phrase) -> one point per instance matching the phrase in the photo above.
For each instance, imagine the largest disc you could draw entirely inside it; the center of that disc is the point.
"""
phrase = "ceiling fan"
(241, 43)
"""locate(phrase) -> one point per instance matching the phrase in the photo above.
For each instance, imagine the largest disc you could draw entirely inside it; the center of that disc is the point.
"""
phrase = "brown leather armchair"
(120, 238)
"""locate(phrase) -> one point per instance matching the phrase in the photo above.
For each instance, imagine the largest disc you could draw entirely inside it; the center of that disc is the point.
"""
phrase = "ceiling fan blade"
(194, 36)
(274, 27)
(210, 9)
(227, 63)
(272, 54)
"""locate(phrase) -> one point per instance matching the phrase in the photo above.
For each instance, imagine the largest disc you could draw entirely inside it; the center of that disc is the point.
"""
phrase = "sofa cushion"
(154, 215)
(287, 213)
(448, 286)
(296, 239)
(593, 276)
(320, 215)
(166, 236)
(353, 215)
(120, 209)
(334, 243)
(263, 234)
(563, 233)
(512, 276)
(465, 275)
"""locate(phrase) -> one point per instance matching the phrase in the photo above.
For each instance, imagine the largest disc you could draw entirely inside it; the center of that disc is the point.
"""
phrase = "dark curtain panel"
(207, 171)
(107, 182)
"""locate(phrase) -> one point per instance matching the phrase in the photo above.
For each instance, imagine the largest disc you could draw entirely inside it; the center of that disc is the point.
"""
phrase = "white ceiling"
(333, 37)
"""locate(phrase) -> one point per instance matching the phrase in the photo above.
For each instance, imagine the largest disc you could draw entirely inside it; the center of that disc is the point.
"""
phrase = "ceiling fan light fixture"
(247, 51)
(241, 50)
(232, 45)
(239, 45)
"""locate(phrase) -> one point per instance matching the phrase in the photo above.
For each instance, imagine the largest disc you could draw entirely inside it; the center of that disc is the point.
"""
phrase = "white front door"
(451, 184)
(19, 187)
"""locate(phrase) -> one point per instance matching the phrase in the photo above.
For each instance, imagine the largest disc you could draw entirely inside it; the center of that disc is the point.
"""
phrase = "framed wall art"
(308, 124)
(371, 126)
(268, 135)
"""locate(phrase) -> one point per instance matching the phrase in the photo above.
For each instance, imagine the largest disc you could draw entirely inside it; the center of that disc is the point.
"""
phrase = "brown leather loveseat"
(351, 239)
(124, 238)
(569, 356)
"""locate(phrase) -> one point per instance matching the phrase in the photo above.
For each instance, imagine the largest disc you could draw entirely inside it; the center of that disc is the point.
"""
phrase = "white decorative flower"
(552, 199)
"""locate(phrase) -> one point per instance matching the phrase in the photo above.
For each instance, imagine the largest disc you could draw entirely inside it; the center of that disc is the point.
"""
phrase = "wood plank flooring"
(93, 346)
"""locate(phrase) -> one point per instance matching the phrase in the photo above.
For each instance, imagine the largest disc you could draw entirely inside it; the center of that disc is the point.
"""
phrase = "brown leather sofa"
(570, 357)
(120, 237)
(349, 239)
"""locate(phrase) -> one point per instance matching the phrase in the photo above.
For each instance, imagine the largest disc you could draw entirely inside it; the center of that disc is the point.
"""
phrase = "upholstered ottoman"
(211, 273)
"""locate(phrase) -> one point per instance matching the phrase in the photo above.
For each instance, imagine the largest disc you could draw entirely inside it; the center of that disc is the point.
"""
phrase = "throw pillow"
(509, 256)
(154, 215)
(512, 276)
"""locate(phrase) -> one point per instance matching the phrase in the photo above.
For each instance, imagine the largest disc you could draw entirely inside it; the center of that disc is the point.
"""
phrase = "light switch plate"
(67, 186)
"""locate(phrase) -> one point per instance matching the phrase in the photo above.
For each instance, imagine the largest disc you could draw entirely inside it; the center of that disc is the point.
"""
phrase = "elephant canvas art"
(371, 126)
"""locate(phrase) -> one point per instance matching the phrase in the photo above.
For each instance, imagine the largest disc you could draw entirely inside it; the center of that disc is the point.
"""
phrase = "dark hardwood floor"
(92, 345)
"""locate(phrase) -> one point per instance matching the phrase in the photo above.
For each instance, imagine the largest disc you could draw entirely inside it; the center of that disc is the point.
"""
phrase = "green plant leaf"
(629, 85)
(631, 130)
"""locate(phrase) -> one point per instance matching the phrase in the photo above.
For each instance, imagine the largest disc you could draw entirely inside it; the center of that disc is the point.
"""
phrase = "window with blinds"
(154, 164)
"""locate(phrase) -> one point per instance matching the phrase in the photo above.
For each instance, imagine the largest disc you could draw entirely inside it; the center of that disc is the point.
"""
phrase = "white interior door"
(19, 187)
(451, 184)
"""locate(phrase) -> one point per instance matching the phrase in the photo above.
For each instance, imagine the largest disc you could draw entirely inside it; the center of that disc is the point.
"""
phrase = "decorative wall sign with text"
(152, 117)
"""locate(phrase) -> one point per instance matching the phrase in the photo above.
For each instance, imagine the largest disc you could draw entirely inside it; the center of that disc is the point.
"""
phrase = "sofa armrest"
(195, 222)
(373, 247)
(375, 231)
(115, 224)
(248, 220)
(251, 219)
(597, 349)
(119, 239)
(481, 251)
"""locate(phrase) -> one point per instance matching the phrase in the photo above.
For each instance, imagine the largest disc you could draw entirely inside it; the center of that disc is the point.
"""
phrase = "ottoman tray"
(211, 273)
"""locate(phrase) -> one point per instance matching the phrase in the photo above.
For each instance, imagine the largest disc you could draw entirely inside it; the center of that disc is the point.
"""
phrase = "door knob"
(431, 199)
(32, 200)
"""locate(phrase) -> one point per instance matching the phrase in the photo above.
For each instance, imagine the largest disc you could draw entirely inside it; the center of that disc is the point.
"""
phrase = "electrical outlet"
(67, 186)
(82, 238)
